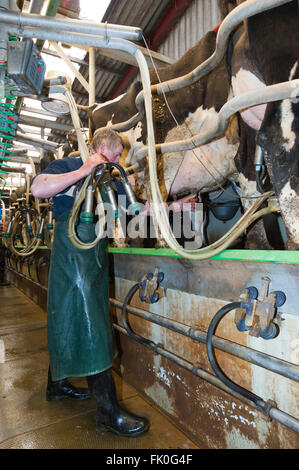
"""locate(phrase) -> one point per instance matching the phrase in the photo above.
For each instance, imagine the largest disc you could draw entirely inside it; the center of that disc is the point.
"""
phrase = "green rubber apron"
(80, 332)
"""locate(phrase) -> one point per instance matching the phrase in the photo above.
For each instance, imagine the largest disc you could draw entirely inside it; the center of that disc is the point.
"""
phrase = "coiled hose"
(128, 297)
(258, 401)
(32, 246)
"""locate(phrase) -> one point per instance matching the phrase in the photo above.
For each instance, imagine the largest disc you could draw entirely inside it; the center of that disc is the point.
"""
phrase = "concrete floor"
(28, 421)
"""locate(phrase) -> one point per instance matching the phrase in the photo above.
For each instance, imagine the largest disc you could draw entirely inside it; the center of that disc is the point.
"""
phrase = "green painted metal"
(259, 256)
(262, 256)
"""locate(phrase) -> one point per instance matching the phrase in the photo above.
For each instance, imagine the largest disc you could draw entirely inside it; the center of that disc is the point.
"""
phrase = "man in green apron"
(80, 332)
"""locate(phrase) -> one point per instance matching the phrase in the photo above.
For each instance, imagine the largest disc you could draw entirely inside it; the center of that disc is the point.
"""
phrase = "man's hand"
(94, 160)
(48, 185)
(185, 203)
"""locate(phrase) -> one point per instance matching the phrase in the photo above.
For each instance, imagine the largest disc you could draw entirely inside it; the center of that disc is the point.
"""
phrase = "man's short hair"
(111, 138)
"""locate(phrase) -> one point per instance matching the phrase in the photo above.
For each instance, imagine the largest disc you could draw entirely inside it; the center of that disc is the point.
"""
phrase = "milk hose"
(86, 192)
(36, 241)
(128, 297)
(258, 401)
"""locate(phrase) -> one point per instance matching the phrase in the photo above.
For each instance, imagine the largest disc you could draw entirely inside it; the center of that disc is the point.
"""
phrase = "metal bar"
(280, 416)
(73, 38)
(85, 27)
(29, 109)
(38, 122)
(82, 62)
(92, 94)
(35, 6)
(15, 170)
(286, 369)
(21, 159)
(46, 144)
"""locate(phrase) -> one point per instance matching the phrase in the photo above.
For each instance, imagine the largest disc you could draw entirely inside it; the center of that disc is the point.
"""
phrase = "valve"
(50, 225)
(150, 291)
(258, 311)
(112, 199)
(41, 228)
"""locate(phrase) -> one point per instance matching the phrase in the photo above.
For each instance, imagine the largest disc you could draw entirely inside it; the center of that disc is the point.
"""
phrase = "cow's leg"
(119, 237)
(288, 199)
(278, 137)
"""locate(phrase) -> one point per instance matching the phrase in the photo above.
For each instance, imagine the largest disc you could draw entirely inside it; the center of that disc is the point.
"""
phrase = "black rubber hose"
(124, 321)
(259, 402)
(120, 169)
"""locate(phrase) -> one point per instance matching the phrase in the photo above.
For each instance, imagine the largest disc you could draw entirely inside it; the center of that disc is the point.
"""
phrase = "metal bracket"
(150, 291)
(259, 311)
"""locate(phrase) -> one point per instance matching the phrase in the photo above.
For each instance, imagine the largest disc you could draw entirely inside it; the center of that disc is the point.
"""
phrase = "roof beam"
(40, 143)
(99, 68)
(44, 123)
(122, 56)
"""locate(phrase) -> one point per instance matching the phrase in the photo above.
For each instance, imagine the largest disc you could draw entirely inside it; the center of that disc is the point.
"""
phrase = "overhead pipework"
(86, 33)
(272, 93)
(77, 32)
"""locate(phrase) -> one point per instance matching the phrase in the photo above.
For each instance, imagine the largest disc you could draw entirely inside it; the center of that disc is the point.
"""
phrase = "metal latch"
(259, 311)
(150, 291)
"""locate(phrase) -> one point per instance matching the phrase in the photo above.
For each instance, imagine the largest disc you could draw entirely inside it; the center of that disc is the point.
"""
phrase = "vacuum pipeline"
(279, 91)
(74, 38)
(231, 21)
(274, 413)
(85, 27)
(94, 41)
(266, 361)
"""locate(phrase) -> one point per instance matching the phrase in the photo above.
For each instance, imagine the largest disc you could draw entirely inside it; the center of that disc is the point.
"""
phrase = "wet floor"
(29, 421)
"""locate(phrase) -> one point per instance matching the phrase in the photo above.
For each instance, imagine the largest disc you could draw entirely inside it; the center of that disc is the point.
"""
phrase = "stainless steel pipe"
(278, 366)
(73, 38)
(274, 413)
(279, 91)
(106, 30)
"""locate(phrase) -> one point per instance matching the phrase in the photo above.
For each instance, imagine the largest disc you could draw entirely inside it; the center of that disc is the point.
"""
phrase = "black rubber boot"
(110, 416)
(64, 389)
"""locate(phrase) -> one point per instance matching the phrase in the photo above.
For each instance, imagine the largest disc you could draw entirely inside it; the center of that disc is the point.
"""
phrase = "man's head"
(108, 143)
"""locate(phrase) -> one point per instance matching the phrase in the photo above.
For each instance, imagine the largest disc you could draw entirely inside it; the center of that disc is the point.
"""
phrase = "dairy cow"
(194, 107)
(264, 51)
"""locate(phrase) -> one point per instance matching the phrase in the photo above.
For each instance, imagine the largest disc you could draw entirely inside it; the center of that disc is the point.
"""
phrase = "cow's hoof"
(119, 243)
(292, 245)
(161, 244)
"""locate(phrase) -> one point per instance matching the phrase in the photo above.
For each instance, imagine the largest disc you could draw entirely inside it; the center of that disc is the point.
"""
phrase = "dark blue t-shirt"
(63, 201)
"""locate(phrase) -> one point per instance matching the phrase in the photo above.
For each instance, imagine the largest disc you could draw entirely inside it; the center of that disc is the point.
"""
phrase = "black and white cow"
(253, 57)
(263, 51)
(194, 107)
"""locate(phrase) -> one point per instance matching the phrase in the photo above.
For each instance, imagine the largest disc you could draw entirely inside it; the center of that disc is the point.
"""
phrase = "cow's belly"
(243, 82)
(205, 167)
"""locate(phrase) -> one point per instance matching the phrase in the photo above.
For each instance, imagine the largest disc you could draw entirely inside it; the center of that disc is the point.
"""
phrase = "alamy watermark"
(186, 221)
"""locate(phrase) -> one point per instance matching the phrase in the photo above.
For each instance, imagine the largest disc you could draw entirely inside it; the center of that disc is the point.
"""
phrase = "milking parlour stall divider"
(209, 336)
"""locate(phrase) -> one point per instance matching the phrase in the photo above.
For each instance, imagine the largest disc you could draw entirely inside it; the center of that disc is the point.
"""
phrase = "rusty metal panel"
(194, 293)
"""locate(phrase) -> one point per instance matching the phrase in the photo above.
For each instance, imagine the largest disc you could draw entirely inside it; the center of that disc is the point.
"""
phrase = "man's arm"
(48, 185)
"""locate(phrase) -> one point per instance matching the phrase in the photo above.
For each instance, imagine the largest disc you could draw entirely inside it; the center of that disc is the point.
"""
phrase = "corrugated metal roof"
(141, 13)
(201, 16)
(145, 15)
